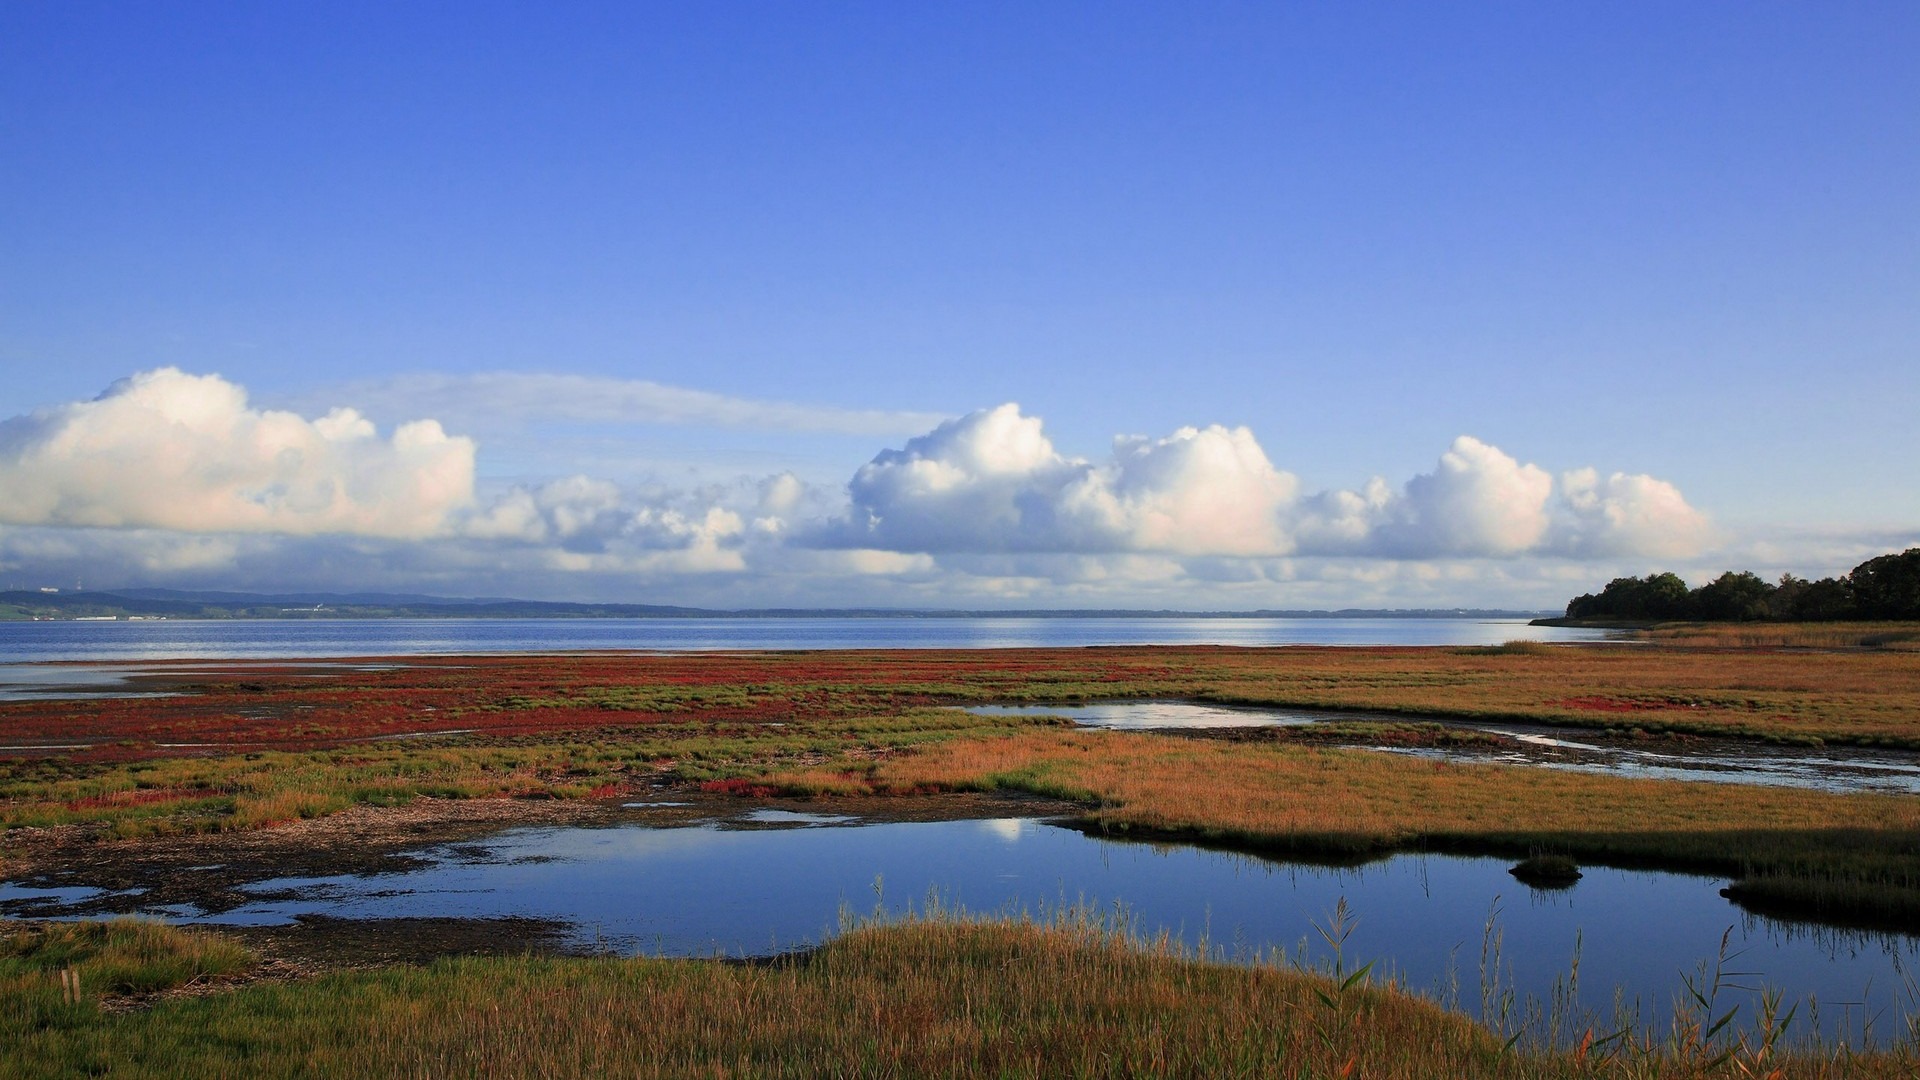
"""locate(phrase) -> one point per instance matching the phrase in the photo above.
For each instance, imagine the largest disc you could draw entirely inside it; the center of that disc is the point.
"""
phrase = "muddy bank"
(361, 839)
(318, 943)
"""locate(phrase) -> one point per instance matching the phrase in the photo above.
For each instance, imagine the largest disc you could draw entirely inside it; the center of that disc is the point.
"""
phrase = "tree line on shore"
(1885, 587)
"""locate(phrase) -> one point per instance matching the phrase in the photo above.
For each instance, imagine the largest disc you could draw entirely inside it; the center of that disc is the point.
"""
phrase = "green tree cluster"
(1886, 587)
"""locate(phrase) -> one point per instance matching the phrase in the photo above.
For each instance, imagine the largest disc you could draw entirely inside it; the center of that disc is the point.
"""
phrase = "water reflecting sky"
(712, 889)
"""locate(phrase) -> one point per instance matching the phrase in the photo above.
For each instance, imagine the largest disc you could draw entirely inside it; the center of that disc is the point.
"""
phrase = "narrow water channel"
(1445, 926)
(1727, 761)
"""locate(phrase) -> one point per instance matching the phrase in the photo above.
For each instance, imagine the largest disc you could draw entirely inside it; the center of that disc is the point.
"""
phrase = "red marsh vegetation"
(1861, 696)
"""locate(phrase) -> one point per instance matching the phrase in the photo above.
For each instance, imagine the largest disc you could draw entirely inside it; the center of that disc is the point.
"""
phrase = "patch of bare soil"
(317, 943)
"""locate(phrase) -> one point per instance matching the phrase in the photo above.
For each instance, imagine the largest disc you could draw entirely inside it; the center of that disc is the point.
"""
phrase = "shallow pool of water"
(82, 681)
(778, 880)
(53, 682)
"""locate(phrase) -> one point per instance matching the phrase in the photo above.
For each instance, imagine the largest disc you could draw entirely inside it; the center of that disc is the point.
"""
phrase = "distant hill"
(202, 596)
(191, 604)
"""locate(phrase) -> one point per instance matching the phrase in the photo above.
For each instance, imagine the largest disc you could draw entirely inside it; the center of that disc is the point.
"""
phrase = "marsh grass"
(936, 994)
(1894, 636)
(956, 997)
(235, 792)
(567, 727)
(872, 722)
(1549, 871)
(1516, 647)
(59, 973)
(930, 996)
(1861, 852)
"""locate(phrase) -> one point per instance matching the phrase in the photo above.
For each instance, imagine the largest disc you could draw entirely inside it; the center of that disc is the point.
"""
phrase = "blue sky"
(669, 257)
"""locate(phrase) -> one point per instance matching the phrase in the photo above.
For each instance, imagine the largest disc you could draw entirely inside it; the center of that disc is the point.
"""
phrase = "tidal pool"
(1726, 761)
(1445, 926)
(67, 681)
(55, 682)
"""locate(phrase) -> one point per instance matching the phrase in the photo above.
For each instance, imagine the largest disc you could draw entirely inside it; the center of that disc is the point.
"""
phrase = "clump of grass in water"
(1515, 647)
(1546, 871)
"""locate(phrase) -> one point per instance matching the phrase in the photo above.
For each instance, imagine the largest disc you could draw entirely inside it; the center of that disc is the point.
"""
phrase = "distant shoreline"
(145, 605)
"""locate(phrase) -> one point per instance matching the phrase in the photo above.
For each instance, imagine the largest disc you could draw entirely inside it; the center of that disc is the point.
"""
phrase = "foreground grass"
(943, 998)
(55, 973)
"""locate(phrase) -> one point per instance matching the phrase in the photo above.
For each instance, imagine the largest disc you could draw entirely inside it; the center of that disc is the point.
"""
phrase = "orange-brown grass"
(1903, 636)
(922, 999)
(1865, 696)
(1314, 800)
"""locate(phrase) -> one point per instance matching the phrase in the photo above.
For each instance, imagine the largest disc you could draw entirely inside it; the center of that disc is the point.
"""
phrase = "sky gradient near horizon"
(1207, 306)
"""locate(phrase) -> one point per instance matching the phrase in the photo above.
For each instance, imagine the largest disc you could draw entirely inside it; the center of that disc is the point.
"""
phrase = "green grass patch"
(54, 976)
(945, 997)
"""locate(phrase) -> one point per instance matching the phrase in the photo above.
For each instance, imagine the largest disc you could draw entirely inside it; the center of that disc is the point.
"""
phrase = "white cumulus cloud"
(177, 477)
(556, 512)
(1624, 514)
(1200, 491)
(1477, 501)
(988, 481)
(168, 450)
(585, 524)
(992, 482)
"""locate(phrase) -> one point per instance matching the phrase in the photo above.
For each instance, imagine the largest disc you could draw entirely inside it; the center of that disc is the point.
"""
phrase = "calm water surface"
(714, 889)
(40, 642)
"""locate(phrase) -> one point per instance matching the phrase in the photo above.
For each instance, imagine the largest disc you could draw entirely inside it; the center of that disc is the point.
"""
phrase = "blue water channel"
(1446, 926)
